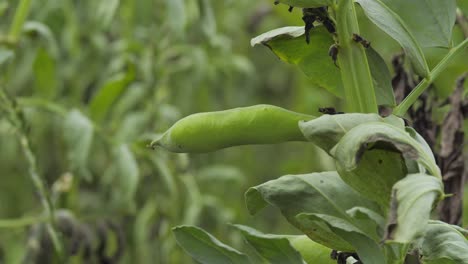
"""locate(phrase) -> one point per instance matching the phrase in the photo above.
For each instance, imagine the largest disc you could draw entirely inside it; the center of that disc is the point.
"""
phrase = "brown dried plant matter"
(445, 139)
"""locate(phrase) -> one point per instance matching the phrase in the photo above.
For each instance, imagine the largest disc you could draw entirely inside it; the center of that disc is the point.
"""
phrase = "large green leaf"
(78, 134)
(307, 3)
(412, 201)
(444, 244)
(431, 21)
(381, 78)
(205, 248)
(318, 193)
(327, 130)
(367, 248)
(349, 151)
(275, 248)
(289, 44)
(389, 21)
(378, 170)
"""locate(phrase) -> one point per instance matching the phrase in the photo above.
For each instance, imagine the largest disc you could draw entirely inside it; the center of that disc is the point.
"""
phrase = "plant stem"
(20, 17)
(355, 71)
(401, 109)
(44, 196)
(22, 222)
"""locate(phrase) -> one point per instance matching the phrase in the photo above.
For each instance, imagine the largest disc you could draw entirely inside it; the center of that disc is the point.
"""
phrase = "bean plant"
(377, 206)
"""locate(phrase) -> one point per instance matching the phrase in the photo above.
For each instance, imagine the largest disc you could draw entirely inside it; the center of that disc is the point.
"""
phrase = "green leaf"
(306, 3)
(327, 130)
(431, 21)
(378, 170)
(106, 11)
(126, 182)
(381, 78)
(319, 193)
(40, 29)
(205, 248)
(367, 248)
(349, 151)
(311, 251)
(275, 248)
(288, 43)
(389, 21)
(45, 74)
(444, 244)
(412, 201)
(5, 55)
(108, 94)
(176, 16)
(78, 135)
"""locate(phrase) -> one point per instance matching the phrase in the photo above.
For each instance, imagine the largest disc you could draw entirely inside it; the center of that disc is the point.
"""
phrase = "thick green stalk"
(18, 21)
(401, 109)
(355, 72)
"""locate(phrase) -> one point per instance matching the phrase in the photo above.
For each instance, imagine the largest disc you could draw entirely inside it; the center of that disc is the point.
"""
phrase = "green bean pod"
(259, 124)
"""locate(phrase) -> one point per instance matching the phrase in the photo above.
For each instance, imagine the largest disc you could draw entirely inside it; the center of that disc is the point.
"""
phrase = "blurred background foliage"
(93, 81)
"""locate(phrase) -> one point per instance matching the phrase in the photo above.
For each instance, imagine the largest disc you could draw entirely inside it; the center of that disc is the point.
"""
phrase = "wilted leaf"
(319, 193)
(289, 45)
(349, 151)
(275, 248)
(205, 248)
(327, 130)
(412, 201)
(389, 21)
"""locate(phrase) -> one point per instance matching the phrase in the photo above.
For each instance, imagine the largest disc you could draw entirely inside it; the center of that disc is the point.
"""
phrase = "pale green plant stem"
(22, 222)
(44, 197)
(354, 67)
(18, 21)
(401, 109)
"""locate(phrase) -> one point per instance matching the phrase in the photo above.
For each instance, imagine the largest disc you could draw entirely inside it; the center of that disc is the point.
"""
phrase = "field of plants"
(235, 131)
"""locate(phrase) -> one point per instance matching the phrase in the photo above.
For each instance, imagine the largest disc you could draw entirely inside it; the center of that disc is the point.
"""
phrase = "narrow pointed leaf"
(412, 201)
(108, 95)
(289, 44)
(389, 21)
(381, 78)
(205, 248)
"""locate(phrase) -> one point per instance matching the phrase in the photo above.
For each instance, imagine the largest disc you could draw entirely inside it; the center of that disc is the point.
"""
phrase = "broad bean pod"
(210, 131)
